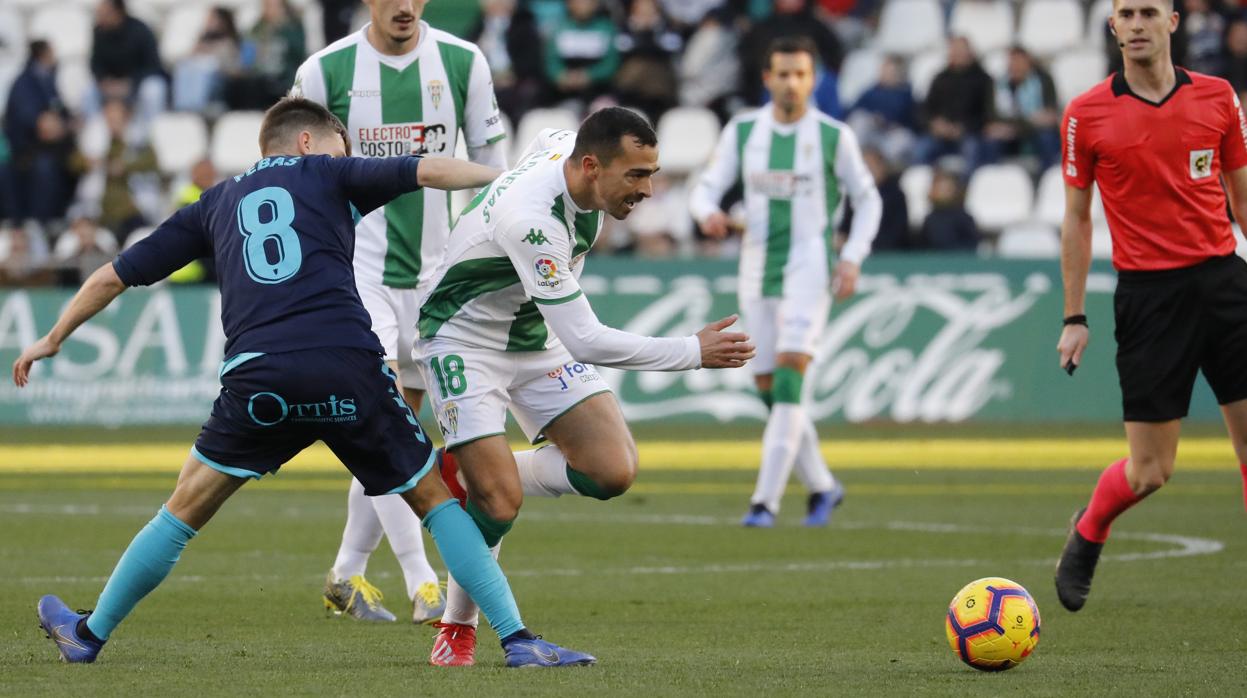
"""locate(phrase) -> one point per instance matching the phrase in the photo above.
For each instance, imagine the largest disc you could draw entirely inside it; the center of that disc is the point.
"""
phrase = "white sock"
(543, 472)
(780, 443)
(811, 469)
(402, 528)
(460, 609)
(361, 535)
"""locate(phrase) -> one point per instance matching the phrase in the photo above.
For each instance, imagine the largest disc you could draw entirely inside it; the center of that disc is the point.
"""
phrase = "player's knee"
(1148, 478)
(610, 475)
(501, 506)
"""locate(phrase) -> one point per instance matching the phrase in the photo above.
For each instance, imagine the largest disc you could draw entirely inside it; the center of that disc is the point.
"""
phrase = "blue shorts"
(272, 406)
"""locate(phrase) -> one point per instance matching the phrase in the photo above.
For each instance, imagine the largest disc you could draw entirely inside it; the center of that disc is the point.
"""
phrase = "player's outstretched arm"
(99, 290)
(451, 174)
(1075, 263)
(721, 349)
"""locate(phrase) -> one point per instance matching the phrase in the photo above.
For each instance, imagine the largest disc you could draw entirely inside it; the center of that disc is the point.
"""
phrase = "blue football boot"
(61, 625)
(758, 517)
(526, 652)
(821, 504)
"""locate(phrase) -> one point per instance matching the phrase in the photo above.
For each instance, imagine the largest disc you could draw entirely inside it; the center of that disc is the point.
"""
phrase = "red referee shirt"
(1158, 166)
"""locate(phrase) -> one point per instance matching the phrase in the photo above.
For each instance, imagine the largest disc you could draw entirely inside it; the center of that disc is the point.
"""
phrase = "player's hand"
(1074, 339)
(844, 280)
(721, 349)
(41, 349)
(716, 225)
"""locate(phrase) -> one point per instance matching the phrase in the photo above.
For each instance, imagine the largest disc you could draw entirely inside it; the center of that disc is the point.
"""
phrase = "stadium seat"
(1075, 72)
(9, 70)
(235, 141)
(907, 27)
(923, 69)
(999, 195)
(996, 63)
(1029, 241)
(73, 79)
(537, 119)
(181, 32)
(686, 137)
(1097, 17)
(136, 235)
(180, 139)
(1050, 26)
(916, 183)
(1050, 197)
(858, 73)
(13, 42)
(67, 27)
(68, 245)
(988, 24)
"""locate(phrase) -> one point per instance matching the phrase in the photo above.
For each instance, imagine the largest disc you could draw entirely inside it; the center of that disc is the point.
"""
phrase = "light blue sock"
(466, 556)
(142, 567)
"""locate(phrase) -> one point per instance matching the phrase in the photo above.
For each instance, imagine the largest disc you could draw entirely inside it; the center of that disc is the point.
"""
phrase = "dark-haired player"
(504, 326)
(1159, 141)
(301, 363)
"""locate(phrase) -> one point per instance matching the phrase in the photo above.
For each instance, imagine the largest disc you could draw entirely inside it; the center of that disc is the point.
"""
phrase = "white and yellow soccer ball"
(992, 624)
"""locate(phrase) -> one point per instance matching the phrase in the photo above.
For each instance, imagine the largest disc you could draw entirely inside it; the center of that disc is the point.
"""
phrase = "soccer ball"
(992, 624)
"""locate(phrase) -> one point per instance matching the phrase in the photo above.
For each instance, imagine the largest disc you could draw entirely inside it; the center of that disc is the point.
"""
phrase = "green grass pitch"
(662, 585)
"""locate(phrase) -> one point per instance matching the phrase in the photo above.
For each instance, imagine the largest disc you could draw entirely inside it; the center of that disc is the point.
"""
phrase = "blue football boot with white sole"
(758, 517)
(61, 625)
(821, 504)
(536, 652)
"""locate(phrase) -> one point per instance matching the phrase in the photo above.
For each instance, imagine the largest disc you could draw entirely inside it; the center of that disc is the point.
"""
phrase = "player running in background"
(1158, 141)
(796, 164)
(504, 325)
(302, 364)
(401, 87)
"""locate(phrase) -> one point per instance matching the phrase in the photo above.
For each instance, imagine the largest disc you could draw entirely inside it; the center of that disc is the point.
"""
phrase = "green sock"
(585, 485)
(491, 530)
(786, 386)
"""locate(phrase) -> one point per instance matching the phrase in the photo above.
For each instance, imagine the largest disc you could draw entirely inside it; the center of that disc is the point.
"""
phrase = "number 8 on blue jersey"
(258, 232)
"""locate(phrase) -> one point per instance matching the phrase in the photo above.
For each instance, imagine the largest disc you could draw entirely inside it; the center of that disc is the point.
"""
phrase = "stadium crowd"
(957, 103)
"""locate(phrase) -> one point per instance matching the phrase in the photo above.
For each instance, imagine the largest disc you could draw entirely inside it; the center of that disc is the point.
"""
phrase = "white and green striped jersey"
(416, 103)
(795, 177)
(522, 241)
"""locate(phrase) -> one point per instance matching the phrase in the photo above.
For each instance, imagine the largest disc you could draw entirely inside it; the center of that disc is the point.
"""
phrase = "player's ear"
(304, 142)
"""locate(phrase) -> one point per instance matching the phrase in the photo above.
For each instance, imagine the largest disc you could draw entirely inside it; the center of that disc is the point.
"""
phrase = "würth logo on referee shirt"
(1201, 163)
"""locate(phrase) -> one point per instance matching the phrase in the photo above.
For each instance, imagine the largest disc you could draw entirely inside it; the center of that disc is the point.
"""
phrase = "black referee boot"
(1076, 567)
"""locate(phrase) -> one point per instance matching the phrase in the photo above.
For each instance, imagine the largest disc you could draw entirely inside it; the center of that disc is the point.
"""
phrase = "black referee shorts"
(1173, 323)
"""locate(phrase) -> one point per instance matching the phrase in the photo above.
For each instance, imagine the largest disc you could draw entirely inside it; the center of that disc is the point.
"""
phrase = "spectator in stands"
(203, 176)
(1235, 65)
(709, 69)
(580, 55)
(647, 47)
(884, 115)
(9, 208)
(790, 18)
(1204, 25)
(23, 256)
(198, 78)
(948, 226)
(37, 127)
(894, 233)
(125, 63)
(82, 249)
(959, 104)
(687, 15)
(271, 54)
(123, 189)
(336, 16)
(1027, 115)
(507, 34)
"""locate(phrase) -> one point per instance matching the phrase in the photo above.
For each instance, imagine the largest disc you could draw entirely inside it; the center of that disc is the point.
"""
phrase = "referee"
(1158, 141)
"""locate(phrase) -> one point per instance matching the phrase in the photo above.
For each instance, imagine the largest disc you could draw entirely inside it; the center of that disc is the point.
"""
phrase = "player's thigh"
(380, 305)
(1153, 449)
(1159, 344)
(406, 303)
(200, 492)
(596, 441)
(469, 389)
(373, 430)
(1235, 414)
(760, 319)
(548, 385)
(800, 325)
(1224, 359)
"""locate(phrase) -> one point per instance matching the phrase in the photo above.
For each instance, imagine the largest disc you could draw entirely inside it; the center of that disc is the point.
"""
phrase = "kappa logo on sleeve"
(536, 237)
(547, 271)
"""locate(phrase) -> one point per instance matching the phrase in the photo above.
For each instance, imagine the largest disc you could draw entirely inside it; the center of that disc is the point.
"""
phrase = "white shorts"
(471, 388)
(780, 325)
(394, 313)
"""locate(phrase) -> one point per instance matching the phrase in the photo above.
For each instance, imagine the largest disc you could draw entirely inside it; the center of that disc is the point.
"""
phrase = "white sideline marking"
(1183, 546)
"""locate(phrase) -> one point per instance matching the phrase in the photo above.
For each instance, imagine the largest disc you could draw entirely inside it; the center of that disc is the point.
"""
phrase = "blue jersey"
(282, 235)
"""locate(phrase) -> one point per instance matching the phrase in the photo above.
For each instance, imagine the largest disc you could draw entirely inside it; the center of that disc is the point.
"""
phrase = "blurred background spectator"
(790, 18)
(581, 58)
(125, 63)
(38, 128)
(507, 34)
(894, 233)
(948, 226)
(1026, 121)
(82, 249)
(959, 104)
(122, 188)
(884, 115)
(270, 56)
(199, 79)
(647, 47)
(24, 255)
